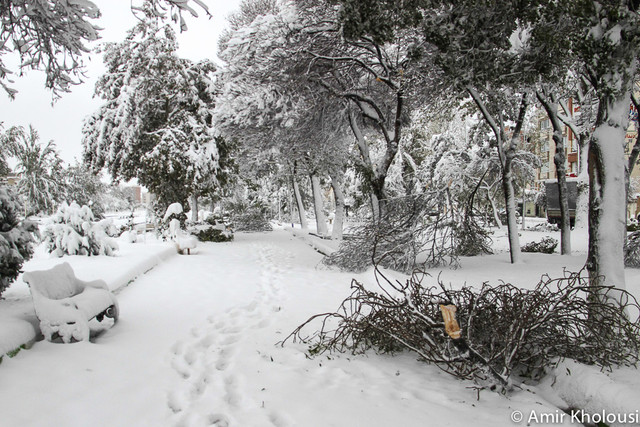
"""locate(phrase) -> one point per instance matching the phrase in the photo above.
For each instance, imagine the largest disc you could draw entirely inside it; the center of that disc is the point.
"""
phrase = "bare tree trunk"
(375, 206)
(607, 197)
(193, 201)
(512, 224)
(321, 220)
(296, 192)
(506, 155)
(559, 159)
(524, 206)
(338, 220)
(582, 134)
(496, 217)
(371, 174)
(582, 198)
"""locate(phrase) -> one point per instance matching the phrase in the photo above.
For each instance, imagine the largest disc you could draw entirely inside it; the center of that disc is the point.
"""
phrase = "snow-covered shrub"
(632, 250)
(498, 333)
(15, 238)
(73, 232)
(546, 246)
(213, 234)
(213, 229)
(174, 212)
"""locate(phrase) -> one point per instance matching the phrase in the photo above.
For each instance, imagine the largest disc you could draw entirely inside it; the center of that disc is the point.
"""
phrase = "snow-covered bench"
(65, 304)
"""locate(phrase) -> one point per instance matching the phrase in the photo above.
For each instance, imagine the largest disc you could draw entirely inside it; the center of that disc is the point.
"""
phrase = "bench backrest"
(56, 283)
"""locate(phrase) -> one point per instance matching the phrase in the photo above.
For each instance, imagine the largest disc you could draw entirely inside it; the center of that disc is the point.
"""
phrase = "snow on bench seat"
(64, 304)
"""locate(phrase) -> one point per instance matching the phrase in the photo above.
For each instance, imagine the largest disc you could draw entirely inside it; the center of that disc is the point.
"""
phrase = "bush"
(212, 234)
(73, 232)
(632, 250)
(174, 211)
(15, 238)
(546, 246)
(504, 330)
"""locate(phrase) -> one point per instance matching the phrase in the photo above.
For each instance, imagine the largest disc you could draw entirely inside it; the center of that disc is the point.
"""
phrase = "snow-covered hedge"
(73, 232)
(15, 238)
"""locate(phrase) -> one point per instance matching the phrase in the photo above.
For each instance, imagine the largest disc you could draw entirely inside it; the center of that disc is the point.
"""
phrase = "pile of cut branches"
(504, 331)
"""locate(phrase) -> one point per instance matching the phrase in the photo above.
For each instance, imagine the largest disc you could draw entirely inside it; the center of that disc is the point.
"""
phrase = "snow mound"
(593, 391)
(14, 333)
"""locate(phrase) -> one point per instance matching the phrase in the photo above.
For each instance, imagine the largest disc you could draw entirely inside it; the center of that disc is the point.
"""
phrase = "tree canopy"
(155, 124)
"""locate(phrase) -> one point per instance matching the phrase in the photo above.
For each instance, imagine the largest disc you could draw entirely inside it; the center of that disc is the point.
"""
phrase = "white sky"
(62, 122)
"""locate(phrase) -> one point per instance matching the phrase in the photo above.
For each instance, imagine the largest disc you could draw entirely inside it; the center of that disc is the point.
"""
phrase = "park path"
(185, 312)
(197, 345)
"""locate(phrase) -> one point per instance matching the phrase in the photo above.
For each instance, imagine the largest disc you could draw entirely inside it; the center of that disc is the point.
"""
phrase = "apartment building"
(546, 150)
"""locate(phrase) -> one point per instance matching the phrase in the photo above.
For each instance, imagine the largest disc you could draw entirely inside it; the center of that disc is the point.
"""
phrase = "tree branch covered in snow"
(51, 35)
(72, 231)
(415, 231)
(155, 123)
(16, 237)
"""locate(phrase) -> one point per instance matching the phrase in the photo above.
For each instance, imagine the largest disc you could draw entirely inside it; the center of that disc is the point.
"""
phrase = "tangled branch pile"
(632, 250)
(505, 330)
(415, 230)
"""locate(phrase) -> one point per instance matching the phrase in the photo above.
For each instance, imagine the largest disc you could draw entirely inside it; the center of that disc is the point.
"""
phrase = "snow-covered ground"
(197, 344)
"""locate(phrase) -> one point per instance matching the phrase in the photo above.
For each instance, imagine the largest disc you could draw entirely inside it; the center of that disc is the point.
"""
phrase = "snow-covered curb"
(315, 242)
(140, 268)
(15, 333)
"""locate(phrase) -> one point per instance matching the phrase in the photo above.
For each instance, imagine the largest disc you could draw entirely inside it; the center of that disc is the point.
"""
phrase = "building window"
(545, 124)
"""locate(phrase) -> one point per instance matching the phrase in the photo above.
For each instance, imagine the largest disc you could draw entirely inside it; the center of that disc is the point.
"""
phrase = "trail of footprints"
(210, 390)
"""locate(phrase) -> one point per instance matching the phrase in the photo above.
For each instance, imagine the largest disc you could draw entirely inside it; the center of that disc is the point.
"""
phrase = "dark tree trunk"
(559, 159)
(506, 153)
